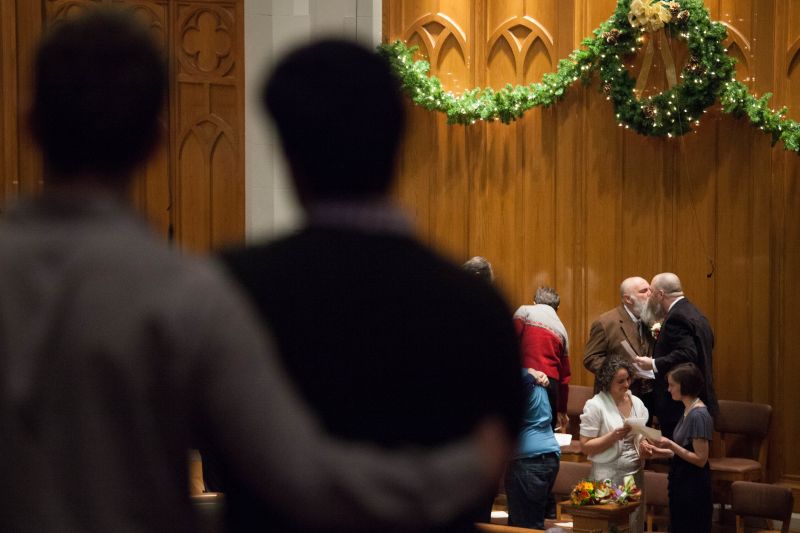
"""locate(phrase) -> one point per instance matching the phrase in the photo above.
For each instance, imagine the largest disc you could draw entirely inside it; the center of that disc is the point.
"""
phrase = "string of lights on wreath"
(708, 76)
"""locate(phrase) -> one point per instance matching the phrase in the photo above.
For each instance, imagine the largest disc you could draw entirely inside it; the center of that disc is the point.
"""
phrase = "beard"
(638, 307)
(651, 312)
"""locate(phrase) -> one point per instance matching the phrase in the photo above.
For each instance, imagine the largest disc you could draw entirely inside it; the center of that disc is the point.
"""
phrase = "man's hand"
(540, 377)
(493, 441)
(645, 363)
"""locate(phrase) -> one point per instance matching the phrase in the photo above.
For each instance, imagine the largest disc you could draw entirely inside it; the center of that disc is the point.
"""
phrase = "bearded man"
(686, 337)
(626, 322)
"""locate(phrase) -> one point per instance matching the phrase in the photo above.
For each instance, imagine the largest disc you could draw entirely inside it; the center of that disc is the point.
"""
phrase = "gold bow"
(651, 17)
(648, 15)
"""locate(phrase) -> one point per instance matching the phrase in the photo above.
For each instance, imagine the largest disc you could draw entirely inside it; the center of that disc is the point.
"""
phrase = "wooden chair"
(656, 500)
(743, 429)
(763, 501)
(578, 395)
(569, 474)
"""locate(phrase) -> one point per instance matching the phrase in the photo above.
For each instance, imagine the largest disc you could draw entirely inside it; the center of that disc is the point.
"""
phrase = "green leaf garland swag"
(708, 76)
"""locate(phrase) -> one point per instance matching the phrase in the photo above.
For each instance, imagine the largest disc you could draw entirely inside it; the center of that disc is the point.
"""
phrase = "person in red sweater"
(545, 347)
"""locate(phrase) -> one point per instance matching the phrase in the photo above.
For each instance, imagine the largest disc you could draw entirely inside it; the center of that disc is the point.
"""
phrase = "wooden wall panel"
(20, 26)
(208, 118)
(786, 202)
(566, 197)
(452, 54)
(9, 151)
(193, 188)
(598, 230)
(29, 27)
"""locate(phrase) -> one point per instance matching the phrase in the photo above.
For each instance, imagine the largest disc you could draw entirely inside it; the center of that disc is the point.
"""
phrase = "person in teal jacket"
(531, 474)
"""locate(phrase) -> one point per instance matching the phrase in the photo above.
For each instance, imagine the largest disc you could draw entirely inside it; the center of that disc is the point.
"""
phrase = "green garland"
(708, 76)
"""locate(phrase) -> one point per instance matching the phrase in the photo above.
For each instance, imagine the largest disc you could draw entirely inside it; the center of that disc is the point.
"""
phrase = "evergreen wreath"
(671, 112)
(708, 76)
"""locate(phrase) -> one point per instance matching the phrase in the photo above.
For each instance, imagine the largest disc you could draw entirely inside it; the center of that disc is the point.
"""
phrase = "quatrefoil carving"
(207, 43)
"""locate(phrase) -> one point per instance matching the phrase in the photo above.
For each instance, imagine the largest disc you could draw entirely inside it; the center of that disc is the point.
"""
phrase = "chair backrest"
(578, 396)
(569, 474)
(764, 501)
(655, 488)
(744, 427)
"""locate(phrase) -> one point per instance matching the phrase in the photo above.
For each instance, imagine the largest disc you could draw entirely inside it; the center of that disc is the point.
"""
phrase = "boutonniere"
(655, 330)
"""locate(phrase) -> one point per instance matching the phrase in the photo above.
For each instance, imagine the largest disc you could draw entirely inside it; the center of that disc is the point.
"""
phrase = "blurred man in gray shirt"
(116, 352)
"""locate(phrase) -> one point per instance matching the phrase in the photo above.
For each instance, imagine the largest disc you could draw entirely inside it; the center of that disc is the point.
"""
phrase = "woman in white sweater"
(605, 436)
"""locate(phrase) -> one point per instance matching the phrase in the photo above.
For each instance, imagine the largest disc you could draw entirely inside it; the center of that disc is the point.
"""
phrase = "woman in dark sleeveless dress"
(690, 504)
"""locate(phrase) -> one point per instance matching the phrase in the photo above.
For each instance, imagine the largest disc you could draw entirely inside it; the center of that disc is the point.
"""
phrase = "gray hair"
(669, 283)
(547, 296)
(605, 376)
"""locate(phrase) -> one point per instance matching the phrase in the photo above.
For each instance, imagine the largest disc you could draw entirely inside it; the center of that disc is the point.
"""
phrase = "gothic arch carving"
(60, 9)
(737, 37)
(426, 28)
(208, 130)
(152, 19)
(791, 55)
(520, 45)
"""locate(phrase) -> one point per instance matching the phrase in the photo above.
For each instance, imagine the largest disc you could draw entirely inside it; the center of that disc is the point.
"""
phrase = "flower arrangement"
(589, 492)
(655, 330)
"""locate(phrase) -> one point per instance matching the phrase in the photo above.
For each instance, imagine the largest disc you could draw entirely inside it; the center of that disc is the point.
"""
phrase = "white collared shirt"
(678, 299)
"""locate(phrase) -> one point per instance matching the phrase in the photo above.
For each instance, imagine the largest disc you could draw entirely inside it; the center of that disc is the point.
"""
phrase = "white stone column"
(272, 27)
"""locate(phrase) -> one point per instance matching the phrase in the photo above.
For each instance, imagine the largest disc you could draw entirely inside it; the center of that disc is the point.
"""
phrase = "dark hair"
(689, 378)
(100, 83)
(612, 364)
(547, 296)
(479, 267)
(340, 115)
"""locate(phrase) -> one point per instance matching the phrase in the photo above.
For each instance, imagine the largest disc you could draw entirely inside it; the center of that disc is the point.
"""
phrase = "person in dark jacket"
(685, 337)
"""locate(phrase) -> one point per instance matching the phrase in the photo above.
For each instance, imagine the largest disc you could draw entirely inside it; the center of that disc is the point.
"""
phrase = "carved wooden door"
(193, 189)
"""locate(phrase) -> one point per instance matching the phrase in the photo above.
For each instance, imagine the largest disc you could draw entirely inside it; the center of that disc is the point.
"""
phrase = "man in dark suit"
(685, 337)
(623, 323)
(388, 341)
